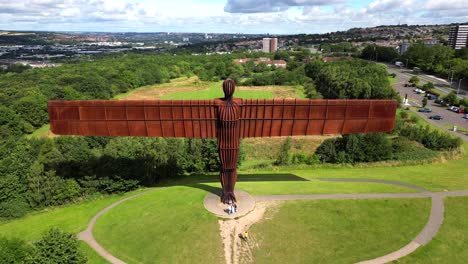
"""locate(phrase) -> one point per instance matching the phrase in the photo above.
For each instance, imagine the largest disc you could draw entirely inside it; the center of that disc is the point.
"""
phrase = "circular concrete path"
(425, 236)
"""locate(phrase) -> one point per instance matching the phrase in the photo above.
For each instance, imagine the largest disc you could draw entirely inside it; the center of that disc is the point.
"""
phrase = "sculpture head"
(229, 86)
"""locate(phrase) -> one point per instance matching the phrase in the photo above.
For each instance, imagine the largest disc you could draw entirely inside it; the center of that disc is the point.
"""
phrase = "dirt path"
(234, 247)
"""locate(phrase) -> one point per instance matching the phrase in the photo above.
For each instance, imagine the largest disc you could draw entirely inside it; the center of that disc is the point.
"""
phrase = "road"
(450, 118)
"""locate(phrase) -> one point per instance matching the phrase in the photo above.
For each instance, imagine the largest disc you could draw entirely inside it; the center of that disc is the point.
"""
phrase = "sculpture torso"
(228, 135)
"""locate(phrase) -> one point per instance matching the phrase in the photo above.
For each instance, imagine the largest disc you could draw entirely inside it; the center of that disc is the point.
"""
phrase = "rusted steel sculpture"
(226, 119)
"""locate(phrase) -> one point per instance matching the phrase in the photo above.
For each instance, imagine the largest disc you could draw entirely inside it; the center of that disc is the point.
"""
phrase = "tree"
(414, 80)
(57, 247)
(428, 86)
(424, 102)
(283, 157)
(14, 251)
(451, 99)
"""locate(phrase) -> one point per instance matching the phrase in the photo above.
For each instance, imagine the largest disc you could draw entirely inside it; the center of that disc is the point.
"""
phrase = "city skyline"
(224, 16)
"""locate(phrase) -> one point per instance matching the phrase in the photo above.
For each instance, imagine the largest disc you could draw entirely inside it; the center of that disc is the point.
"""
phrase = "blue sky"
(228, 16)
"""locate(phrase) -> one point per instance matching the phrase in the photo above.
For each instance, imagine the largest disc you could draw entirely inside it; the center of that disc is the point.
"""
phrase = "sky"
(224, 16)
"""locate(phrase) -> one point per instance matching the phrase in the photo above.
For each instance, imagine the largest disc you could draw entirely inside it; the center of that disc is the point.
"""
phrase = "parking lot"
(449, 118)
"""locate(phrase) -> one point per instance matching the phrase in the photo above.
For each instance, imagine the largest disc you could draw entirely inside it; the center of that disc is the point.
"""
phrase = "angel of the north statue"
(228, 119)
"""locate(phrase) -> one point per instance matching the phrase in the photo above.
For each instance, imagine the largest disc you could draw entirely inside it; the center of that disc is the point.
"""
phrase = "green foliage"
(14, 251)
(431, 138)
(350, 79)
(428, 86)
(424, 102)
(451, 99)
(414, 79)
(404, 150)
(338, 47)
(355, 148)
(438, 59)
(46, 188)
(379, 53)
(284, 155)
(58, 247)
(14, 208)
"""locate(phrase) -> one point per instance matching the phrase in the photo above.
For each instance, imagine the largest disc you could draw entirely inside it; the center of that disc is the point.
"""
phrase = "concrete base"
(245, 204)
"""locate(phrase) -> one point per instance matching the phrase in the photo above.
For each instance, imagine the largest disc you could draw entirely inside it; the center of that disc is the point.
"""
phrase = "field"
(194, 89)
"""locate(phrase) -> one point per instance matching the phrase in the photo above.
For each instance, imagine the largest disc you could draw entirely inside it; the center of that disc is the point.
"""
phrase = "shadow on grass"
(200, 184)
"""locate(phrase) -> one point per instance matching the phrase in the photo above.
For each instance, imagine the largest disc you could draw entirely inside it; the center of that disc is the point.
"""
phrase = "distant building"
(458, 37)
(267, 61)
(403, 47)
(270, 45)
(277, 63)
(241, 61)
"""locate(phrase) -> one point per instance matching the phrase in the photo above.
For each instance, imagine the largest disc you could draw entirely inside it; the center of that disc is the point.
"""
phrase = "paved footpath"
(431, 228)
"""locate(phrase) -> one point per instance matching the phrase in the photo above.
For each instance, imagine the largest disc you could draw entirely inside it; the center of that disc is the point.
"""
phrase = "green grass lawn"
(73, 218)
(440, 176)
(267, 187)
(392, 80)
(39, 132)
(214, 91)
(336, 231)
(167, 226)
(91, 255)
(450, 245)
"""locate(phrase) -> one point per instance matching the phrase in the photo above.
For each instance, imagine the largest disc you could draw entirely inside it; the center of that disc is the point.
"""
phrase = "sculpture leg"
(228, 181)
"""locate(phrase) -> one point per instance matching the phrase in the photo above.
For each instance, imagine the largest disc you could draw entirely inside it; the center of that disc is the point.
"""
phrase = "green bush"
(14, 251)
(14, 208)
(431, 138)
(58, 247)
(284, 156)
(404, 150)
(355, 148)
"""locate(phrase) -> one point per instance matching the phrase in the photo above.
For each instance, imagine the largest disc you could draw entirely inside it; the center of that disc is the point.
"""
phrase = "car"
(465, 116)
(461, 111)
(436, 117)
(431, 96)
(425, 110)
(453, 108)
(418, 91)
(441, 102)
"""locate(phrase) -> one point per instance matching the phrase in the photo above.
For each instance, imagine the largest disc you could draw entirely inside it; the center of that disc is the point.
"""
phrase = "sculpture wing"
(158, 118)
(289, 117)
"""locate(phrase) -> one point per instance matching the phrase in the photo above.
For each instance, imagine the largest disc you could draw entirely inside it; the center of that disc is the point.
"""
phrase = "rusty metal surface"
(226, 119)
(198, 118)
(191, 119)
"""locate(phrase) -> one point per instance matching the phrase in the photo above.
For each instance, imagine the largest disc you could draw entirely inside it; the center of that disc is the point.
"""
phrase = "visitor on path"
(246, 236)
(230, 209)
(235, 207)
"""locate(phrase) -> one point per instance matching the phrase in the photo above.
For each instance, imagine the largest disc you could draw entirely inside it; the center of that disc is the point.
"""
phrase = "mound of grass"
(167, 226)
(334, 231)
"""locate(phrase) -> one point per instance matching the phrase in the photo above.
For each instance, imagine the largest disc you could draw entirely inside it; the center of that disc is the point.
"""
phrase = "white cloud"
(446, 4)
(389, 5)
(264, 6)
(249, 16)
